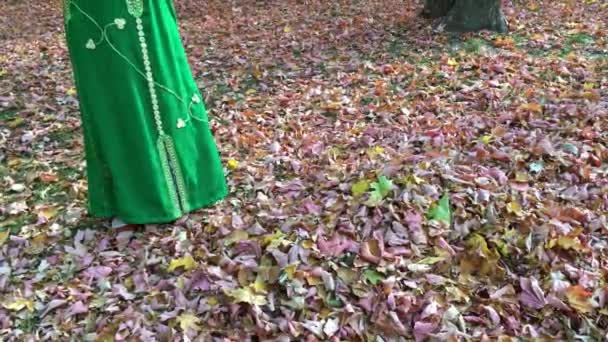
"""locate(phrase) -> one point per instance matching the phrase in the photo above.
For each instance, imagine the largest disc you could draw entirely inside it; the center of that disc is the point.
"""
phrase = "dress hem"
(162, 219)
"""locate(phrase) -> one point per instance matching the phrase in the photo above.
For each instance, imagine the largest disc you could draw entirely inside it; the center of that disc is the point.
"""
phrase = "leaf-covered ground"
(387, 181)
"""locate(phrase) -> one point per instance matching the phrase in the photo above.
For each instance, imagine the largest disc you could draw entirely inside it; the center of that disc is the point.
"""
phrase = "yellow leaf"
(213, 301)
(480, 258)
(272, 241)
(359, 188)
(591, 95)
(4, 236)
(413, 179)
(236, 236)
(287, 29)
(48, 212)
(578, 298)
(532, 6)
(514, 208)
(504, 42)
(532, 107)
(566, 243)
(291, 270)
(20, 304)
(452, 62)
(71, 91)
(246, 295)
(307, 244)
(375, 151)
(259, 286)
(314, 281)
(521, 177)
(486, 139)
(187, 262)
(16, 122)
(233, 164)
(188, 321)
(537, 36)
(588, 86)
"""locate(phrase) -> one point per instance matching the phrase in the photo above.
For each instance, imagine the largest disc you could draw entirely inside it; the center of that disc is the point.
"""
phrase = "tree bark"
(467, 15)
(437, 8)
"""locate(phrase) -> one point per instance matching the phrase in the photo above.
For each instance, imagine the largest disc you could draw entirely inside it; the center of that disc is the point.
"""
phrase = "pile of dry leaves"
(387, 181)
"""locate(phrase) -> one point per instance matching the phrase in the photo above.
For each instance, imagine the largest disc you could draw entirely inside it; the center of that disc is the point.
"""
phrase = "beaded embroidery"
(135, 7)
(166, 148)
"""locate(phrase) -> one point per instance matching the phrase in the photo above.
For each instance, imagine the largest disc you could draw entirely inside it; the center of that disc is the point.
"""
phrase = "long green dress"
(150, 153)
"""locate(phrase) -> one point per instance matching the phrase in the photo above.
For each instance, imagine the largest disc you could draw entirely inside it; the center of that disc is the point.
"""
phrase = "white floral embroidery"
(181, 123)
(120, 23)
(91, 44)
(135, 8)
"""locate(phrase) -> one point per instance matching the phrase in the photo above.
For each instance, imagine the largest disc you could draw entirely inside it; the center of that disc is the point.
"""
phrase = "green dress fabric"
(150, 153)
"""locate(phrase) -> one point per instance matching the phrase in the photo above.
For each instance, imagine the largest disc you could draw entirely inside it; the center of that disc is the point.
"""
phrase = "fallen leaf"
(246, 295)
(4, 236)
(579, 299)
(19, 304)
(441, 211)
(187, 263)
(188, 322)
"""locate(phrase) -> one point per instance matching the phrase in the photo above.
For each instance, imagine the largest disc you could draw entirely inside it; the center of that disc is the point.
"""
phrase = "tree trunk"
(437, 8)
(468, 15)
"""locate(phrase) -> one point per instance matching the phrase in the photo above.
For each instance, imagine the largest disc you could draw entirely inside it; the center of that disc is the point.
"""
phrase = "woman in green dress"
(150, 153)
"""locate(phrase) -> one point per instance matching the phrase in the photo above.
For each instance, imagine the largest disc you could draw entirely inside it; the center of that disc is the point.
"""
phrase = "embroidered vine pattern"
(135, 8)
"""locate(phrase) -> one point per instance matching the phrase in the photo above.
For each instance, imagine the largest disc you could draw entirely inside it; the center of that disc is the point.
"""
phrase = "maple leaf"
(532, 295)
(188, 321)
(373, 277)
(441, 211)
(381, 189)
(480, 258)
(236, 236)
(360, 188)
(579, 299)
(247, 295)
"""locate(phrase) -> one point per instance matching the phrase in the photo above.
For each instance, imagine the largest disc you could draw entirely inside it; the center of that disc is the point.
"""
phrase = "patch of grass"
(366, 100)
(535, 52)
(395, 88)
(15, 223)
(29, 323)
(580, 39)
(475, 45)
(598, 55)
(322, 67)
(565, 51)
(519, 39)
(7, 115)
(395, 47)
(222, 88)
(250, 82)
(62, 135)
